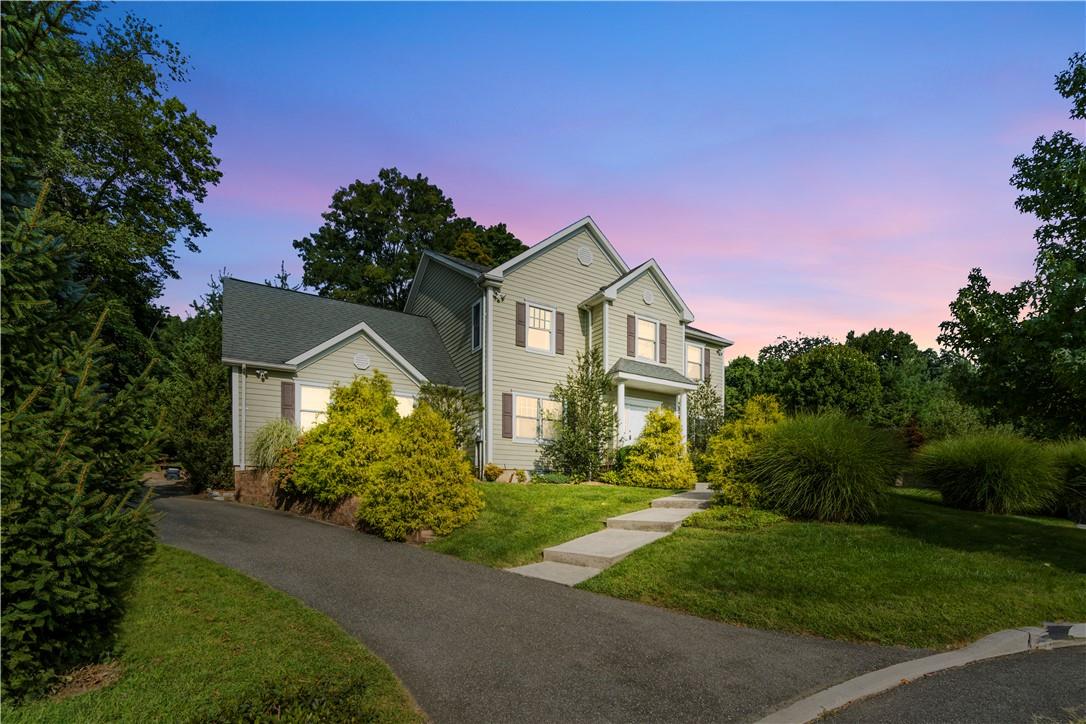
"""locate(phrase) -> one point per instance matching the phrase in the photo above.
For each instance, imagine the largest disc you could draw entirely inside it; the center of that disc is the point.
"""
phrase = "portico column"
(621, 411)
(682, 414)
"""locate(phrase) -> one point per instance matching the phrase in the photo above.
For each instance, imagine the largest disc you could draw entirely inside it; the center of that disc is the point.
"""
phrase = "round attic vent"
(362, 361)
(584, 255)
(647, 296)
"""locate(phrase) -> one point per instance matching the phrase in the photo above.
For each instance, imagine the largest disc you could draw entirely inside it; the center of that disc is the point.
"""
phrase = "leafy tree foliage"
(461, 409)
(73, 453)
(905, 374)
(831, 377)
(582, 443)
(742, 380)
(373, 235)
(730, 450)
(196, 395)
(704, 416)
(1027, 346)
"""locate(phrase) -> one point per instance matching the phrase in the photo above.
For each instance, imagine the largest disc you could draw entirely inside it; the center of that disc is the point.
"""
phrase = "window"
(695, 361)
(312, 405)
(540, 329)
(476, 325)
(534, 417)
(647, 331)
(405, 404)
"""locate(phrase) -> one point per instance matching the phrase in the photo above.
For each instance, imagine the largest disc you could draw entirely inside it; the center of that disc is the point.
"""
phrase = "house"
(507, 333)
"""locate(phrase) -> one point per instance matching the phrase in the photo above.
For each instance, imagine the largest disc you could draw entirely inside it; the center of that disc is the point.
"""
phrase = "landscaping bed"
(203, 643)
(519, 521)
(921, 575)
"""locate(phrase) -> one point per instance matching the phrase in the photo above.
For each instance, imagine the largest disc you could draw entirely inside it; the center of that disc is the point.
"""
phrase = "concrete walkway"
(582, 558)
(475, 644)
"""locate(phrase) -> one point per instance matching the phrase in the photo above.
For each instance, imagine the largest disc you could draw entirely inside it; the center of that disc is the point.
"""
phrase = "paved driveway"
(474, 644)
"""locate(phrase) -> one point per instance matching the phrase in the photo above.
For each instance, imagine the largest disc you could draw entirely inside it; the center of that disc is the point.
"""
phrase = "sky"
(794, 168)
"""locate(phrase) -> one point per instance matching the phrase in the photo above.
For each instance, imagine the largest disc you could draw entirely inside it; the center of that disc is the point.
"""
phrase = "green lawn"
(203, 643)
(924, 575)
(519, 521)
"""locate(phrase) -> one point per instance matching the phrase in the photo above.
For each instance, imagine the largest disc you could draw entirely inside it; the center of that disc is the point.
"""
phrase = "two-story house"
(507, 333)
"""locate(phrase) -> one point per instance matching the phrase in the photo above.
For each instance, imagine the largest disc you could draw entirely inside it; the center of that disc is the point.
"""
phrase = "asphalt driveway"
(474, 644)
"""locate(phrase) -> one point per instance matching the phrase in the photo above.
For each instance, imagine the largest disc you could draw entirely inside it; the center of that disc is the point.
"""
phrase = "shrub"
(558, 478)
(424, 482)
(492, 472)
(611, 477)
(586, 427)
(658, 459)
(997, 471)
(339, 454)
(943, 416)
(825, 467)
(1070, 460)
(730, 517)
(831, 377)
(521, 476)
(271, 440)
(728, 455)
(460, 409)
(621, 456)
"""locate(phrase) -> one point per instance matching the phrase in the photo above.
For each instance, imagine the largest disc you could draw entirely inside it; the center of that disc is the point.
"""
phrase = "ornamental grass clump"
(826, 467)
(272, 440)
(730, 450)
(424, 482)
(1070, 460)
(659, 459)
(996, 471)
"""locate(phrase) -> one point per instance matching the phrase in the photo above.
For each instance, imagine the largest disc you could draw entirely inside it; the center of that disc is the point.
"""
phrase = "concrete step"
(652, 519)
(564, 573)
(601, 549)
(693, 499)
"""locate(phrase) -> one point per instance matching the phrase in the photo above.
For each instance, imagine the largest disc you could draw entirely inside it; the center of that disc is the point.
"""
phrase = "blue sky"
(794, 167)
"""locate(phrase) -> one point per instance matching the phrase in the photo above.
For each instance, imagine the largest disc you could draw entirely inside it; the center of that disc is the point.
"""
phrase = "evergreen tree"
(583, 434)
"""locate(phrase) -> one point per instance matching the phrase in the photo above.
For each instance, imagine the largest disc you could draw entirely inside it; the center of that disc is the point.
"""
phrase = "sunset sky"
(794, 168)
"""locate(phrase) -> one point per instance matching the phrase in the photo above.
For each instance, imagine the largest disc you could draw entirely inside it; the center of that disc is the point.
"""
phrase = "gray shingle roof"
(462, 262)
(702, 332)
(271, 325)
(647, 369)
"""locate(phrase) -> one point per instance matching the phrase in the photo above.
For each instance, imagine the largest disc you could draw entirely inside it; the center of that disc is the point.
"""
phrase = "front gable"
(591, 248)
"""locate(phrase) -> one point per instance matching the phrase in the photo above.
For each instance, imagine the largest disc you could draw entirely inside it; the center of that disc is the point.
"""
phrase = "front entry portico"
(641, 387)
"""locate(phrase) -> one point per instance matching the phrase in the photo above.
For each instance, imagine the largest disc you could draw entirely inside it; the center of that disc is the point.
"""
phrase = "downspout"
(488, 371)
(244, 413)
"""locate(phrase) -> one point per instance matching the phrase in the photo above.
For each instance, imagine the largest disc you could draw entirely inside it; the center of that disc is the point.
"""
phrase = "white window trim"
(413, 394)
(637, 321)
(686, 358)
(528, 304)
(298, 384)
(539, 418)
(477, 345)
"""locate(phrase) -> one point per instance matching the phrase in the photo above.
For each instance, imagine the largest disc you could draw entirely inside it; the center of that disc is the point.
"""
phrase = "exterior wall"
(446, 296)
(631, 301)
(261, 404)
(554, 277)
(597, 325)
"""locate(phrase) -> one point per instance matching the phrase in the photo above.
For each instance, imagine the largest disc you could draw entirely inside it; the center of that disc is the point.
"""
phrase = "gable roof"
(469, 269)
(610, 291)
(708, 336)
(586, 224)
(283, 328)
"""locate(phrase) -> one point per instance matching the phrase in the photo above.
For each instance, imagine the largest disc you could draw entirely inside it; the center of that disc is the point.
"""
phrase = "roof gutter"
(262, 365)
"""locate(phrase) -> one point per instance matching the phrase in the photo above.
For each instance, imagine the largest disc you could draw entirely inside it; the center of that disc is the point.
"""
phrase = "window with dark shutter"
(559, 333)
(631, 335)
(706, 367)
(663, 344)
(286, 400)
(521, 313)
(507, 414)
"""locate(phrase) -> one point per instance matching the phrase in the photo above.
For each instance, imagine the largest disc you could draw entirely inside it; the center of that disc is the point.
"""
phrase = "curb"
(1003, 643)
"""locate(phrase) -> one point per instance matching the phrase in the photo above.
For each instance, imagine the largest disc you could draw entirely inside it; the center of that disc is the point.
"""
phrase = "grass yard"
(924, 575)
(203, 643)
(519, 521)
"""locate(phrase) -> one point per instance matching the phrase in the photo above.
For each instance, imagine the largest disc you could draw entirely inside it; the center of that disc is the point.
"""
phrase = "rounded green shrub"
(825, 467)
(831, 377)
(424, 482)
(1070, 460)
(729, 451)
(271, 440)
(492, 472)
(996, 471)
(339, 453)
(659, 459)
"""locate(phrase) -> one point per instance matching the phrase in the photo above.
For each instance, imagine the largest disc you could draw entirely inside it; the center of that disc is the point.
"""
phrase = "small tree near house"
(704, 416)
(583, 434)
(460, 409)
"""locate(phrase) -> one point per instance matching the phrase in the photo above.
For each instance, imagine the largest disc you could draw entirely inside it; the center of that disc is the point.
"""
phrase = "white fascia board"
(259, 365)
(498, 273)
(631, 377)
(653, 268)
(361, 328)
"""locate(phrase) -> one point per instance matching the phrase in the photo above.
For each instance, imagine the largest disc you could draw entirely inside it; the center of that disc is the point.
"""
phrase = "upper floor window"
(540, 329)
(476, 325)
(695, 361)
(647, 338)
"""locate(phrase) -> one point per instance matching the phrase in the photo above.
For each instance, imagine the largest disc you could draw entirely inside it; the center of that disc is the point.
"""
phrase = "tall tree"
(374, 233)
(1027, 346)
(904, 373)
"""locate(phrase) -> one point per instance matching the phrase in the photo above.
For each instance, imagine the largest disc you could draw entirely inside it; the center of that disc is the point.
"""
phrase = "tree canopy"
(374, 233)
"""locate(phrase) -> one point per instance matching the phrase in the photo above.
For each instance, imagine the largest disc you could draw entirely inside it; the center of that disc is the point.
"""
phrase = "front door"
(637, 410)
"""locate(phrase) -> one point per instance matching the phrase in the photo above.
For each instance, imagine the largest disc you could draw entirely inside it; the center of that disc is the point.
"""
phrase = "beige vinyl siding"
(261, 404)
(716, 362)
(630, 300)
(446, 296)
(665, 400)
(597, 325)
(337, 366)
(556, 278)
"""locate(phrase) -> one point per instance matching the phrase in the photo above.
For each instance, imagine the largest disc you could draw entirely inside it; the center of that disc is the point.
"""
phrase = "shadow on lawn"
(1014, 537)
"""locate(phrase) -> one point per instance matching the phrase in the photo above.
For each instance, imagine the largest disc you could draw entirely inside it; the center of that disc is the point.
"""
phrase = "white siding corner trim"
(235, 415)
